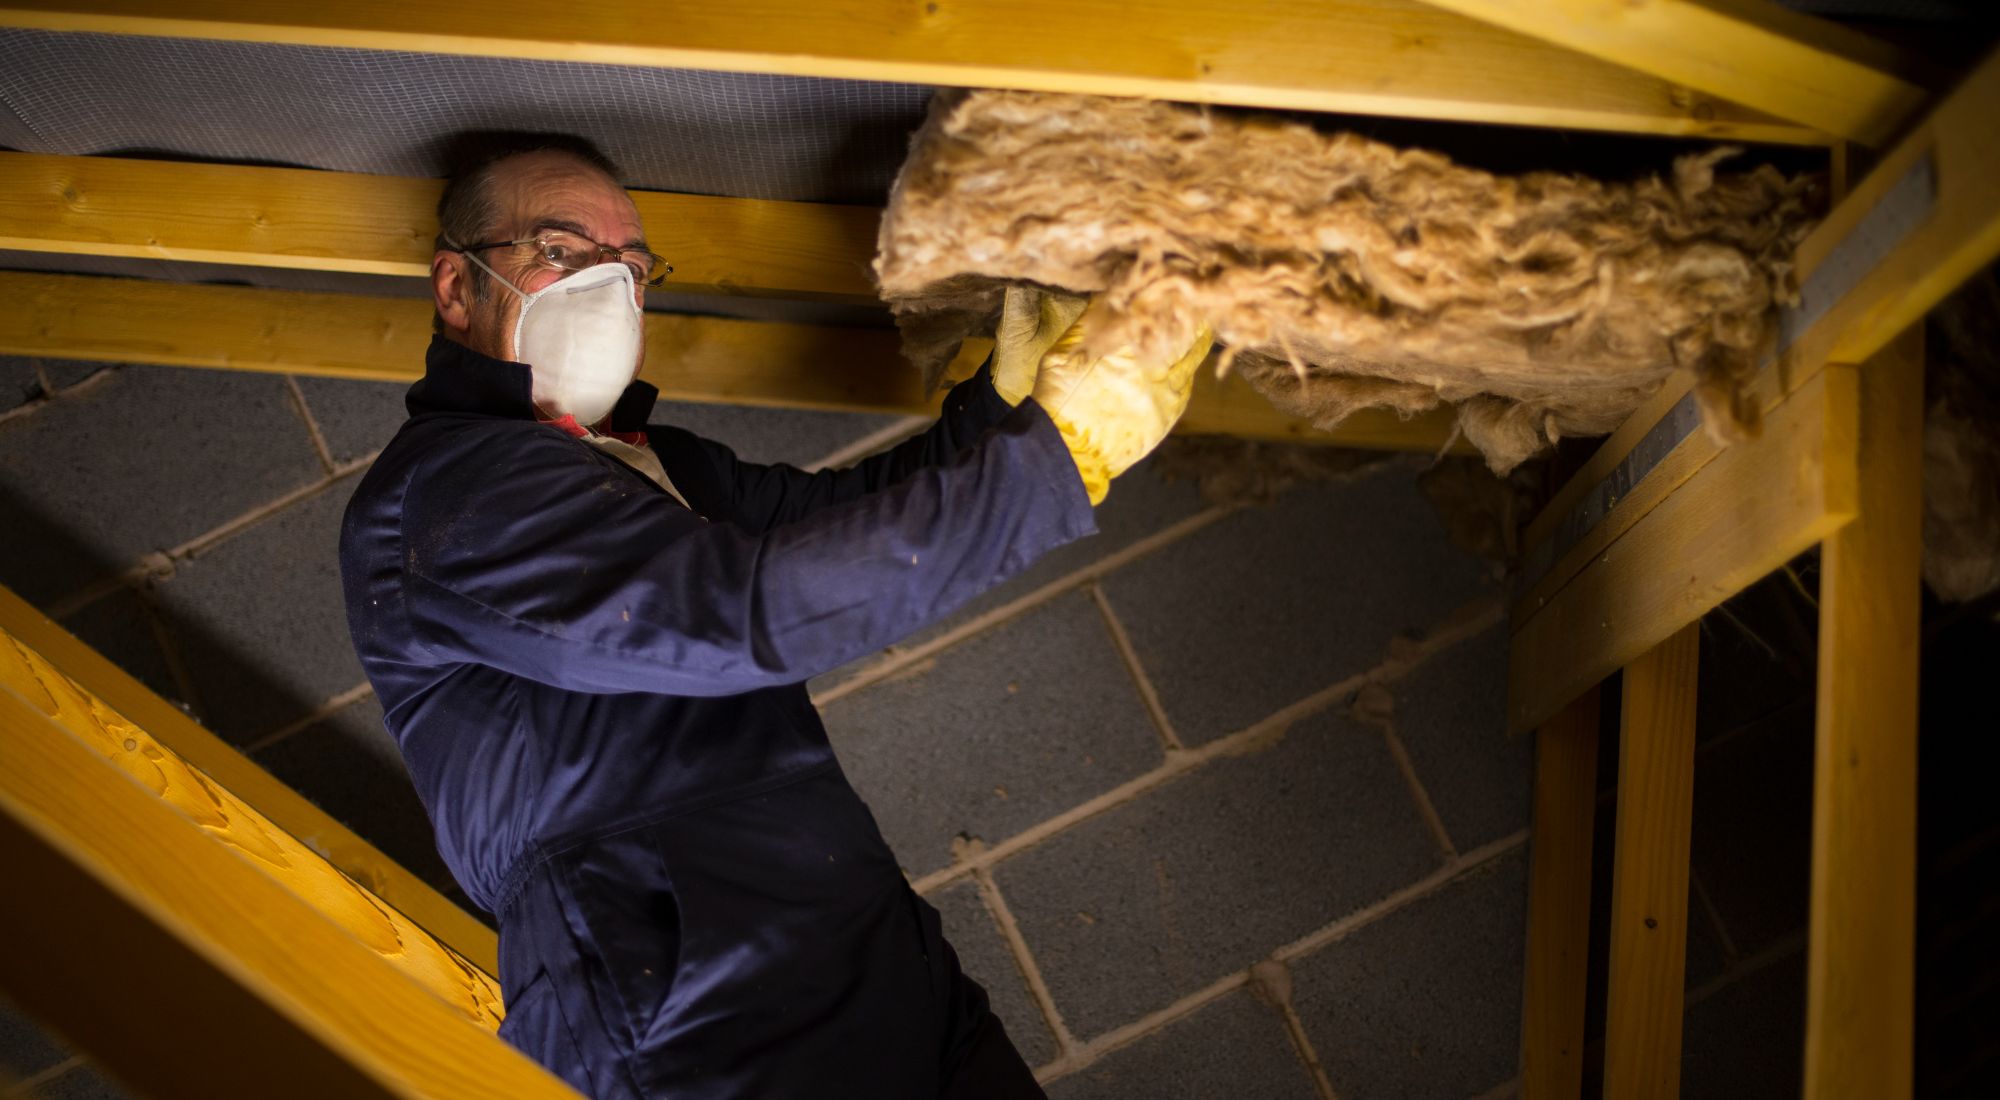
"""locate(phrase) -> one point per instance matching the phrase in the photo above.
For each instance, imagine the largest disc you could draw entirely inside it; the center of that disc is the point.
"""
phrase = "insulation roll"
(1341, 273)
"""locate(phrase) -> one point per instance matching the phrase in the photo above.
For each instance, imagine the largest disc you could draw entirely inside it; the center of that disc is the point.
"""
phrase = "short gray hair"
(468, 210)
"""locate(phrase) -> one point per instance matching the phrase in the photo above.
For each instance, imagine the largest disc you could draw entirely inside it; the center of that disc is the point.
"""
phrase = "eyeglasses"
(566, 251)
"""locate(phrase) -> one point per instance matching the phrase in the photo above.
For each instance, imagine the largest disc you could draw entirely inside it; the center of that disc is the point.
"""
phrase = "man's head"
(519, 190)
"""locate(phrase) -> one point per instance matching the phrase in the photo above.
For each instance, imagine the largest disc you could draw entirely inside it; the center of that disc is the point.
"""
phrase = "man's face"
(534, 191)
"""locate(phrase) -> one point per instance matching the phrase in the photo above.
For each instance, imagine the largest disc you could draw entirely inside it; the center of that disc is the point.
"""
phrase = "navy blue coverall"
(599, 696)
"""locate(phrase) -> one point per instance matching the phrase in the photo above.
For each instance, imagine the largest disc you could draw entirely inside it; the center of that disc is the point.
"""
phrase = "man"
(590, 637)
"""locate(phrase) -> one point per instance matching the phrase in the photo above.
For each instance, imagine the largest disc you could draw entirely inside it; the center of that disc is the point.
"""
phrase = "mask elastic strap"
(474, 257)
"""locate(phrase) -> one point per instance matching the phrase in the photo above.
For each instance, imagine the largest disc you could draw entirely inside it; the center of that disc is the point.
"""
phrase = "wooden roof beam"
(289, 813)
(1398, 58)
(702, 359)
(241, 962)
(386, 225)
(1751, 52)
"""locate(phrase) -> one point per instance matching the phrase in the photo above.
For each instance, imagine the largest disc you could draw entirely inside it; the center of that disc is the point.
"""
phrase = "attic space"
(1443, 710)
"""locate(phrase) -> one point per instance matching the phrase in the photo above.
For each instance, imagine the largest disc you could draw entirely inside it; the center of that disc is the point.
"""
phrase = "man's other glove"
(1030, 323)
(1113, 410)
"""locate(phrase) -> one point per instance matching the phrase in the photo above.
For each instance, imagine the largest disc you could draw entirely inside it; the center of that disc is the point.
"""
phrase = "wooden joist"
(182, 938)
(1374, 57)
(1754, 507)
(703, 359)
(1556, 971)
(1613, 580)
(1861, 947)
(385, 225)
(1649, 875)
(1751, 52)
(39, 650)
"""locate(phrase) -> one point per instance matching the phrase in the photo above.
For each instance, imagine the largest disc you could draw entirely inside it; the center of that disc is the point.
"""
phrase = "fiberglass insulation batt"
(1340, 273)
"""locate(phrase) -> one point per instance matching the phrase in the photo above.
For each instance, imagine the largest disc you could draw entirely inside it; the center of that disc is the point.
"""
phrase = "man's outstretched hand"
(1112, 410)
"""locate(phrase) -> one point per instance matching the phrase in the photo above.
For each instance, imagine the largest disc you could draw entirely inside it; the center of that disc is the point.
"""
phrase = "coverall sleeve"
(759, 497)
(537, 555)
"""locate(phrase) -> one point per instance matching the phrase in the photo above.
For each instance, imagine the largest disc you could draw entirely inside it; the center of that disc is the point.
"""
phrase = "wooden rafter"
(1374, 57)
(242, 962)
(1751, 52)
(704, 359)
(403, 898)
(384, 225)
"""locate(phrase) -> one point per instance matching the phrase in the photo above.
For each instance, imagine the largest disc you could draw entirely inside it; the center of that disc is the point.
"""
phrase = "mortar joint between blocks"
(1149, 695)
(1730, 953)
(327, 708)
(1024, 961)
(896, 658)
(1153, 1022)
(313, 433)
(1470, 621)
(1272, 982)
(50, 393)
(160, 565)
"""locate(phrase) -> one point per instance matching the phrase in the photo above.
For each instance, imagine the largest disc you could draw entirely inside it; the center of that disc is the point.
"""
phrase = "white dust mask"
(580, 338)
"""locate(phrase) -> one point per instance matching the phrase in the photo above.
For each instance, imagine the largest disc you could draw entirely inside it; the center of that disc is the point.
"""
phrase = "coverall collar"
(459, 379)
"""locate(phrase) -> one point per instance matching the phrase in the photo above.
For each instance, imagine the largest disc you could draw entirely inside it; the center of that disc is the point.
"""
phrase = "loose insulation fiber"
(1340, 273)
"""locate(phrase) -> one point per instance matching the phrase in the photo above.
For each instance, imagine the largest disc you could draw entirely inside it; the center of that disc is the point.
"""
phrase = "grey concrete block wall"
(983, 954)
(1446, 713)
(1144, 505)
(20, 382)
(125, 626)
(25, 1049)
(261, 621)
(26, 381)
(1425, 1001)
(36, 1066)
(142, 461)
(1274, 603)
(356, 419)
(1232, 1048)
(1132, 874)
(1158, 898)
(85, 1082)
(995, 735)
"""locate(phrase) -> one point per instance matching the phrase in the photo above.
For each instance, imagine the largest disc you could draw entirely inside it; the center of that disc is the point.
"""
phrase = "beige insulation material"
(1962, 443)
(1341, 273)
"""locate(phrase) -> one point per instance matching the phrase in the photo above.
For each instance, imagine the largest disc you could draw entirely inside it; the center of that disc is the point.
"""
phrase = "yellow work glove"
(1113, 410)
(1030, 322)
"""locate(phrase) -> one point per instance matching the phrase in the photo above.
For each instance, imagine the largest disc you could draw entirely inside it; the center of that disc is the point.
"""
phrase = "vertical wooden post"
(1860, 953)
(1649, 875)
(1559, 903)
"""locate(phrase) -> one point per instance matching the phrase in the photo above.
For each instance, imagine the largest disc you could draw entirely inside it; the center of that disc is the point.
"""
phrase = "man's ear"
(451, 290)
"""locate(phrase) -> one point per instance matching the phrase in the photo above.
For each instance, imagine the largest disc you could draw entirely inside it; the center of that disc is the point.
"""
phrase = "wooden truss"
(157, 881)
(689, 358)
(1370, 57)
(1660, 526)
(1663, 524)
(351, 223)
(382, 225)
